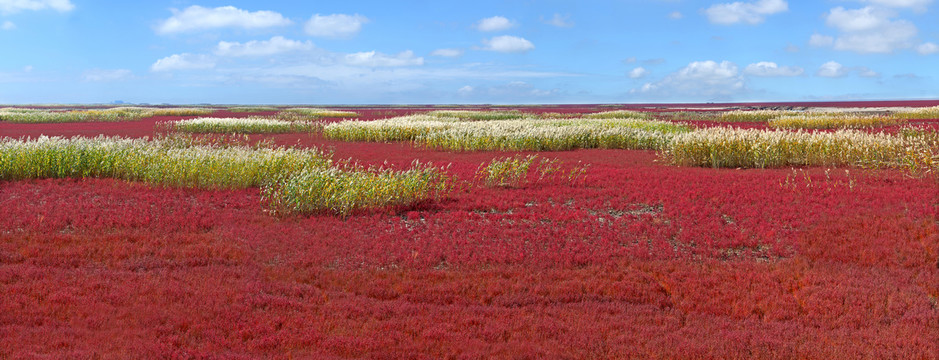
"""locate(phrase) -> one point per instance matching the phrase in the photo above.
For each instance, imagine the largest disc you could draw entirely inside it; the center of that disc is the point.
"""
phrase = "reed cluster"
(150, 161)
(520, 134)
(749, 148)
(343, 191)
(518, 170)
(617, 114)
(919, 154)
(254, 109)
(473, 115)
(23, 115)
(687, 115)
(832, 121)
(294, 180)
(506, 172)
(921, 113)
(751, 115)
(250, 125)
(314, 113)
(148, 112)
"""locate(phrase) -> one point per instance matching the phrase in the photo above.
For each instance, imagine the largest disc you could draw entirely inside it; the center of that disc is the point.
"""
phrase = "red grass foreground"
(644, 260)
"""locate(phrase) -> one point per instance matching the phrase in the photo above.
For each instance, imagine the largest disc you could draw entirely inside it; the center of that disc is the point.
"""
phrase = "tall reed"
(343, 191)
(832, 121)
(521, 134)
(21, 115)
(250, 125)
(727, 147)
(472, 115)
(293, 180)
(921, 113)
(751, 115)
(314, 113)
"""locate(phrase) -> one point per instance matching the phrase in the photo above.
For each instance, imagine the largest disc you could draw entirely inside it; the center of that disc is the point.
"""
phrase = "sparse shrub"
(515, 171)
(506, 172)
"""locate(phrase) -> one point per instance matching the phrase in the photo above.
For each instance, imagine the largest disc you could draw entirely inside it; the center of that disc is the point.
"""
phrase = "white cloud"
(335, 25)
(15, 6)
(870, 30)
(103, 75)
(927, 48)
(276, 45)
(377, 59)
(675, 15)
(863, 71)
(741, 12)
(559, 21)
(447, 52)
(28, 68)
(917, 5)
(832, 69)
(508, 44)
(8, 25)
(183, 62)
(495, 23)
(699, 78)
(818, 40)
(638, 73)
(466, 90)
(771, 69)
(866, 18)
(196, 18)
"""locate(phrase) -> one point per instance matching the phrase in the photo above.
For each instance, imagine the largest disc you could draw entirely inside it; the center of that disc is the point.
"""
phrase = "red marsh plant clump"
(639, 259)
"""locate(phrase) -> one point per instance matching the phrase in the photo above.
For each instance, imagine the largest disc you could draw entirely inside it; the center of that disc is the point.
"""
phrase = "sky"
(466, 52)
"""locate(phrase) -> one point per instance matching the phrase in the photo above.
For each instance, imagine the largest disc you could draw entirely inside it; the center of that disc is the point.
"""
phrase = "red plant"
(641, 260)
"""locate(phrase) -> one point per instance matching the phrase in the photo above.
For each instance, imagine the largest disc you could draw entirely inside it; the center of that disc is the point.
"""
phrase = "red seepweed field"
(638, 259)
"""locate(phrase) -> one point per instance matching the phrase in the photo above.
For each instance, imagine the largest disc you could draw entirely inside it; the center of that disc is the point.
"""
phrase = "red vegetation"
(643, 260)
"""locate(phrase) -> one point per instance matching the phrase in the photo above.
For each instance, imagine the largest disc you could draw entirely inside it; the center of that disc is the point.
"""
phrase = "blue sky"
(533, 51)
